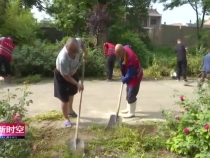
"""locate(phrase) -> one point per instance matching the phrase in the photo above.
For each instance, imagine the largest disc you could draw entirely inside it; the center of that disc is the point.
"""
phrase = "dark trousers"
(4, 62)
(131, 93)
(62, 88)
(110, 61)
(182, 69)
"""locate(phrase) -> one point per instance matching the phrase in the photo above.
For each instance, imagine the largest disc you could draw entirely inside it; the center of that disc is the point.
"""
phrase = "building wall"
(149, 22)
(167, 35)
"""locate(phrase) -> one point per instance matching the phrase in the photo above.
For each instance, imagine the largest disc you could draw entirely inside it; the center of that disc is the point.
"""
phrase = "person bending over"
(66, 80)
(132, 73)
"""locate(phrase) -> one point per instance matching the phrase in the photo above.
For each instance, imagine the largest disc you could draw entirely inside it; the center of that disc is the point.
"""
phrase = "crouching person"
(132, 75)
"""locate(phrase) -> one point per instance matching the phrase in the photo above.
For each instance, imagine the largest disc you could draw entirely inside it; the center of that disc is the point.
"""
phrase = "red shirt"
(109, 49)
(133, 60)
(6, 48)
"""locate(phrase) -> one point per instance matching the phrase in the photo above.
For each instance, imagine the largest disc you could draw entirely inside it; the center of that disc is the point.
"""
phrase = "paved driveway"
(100, 99)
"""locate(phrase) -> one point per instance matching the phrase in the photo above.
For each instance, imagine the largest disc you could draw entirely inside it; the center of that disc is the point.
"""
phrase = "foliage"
(125, 141)
(94, 66)
(19, 23)
(69, 15)
(14, 148)
(40, 58)
(29, 79)
(154, 71)
(97, 20)
(164, 62)
(189, 131)
(139, 10)
(48, 116)
(128, 37)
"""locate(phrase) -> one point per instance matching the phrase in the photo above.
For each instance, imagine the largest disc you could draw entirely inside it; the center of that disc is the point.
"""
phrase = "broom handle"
(80, 102)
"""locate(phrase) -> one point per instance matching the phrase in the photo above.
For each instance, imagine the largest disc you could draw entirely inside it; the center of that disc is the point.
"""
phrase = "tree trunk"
(197, 26)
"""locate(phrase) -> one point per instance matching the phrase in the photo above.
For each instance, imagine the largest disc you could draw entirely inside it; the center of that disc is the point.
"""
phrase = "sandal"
(73, 114)
(67, 124)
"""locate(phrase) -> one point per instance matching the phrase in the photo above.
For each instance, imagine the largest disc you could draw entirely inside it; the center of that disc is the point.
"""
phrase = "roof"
(177, 24)
(153, 12)
(207, 22)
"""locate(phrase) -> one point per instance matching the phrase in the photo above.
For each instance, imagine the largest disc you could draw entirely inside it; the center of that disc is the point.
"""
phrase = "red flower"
(177, 117)
(181, 112)
(206, 127)
(186, 130)
(182, 98)
(186, 108)
(17, 118)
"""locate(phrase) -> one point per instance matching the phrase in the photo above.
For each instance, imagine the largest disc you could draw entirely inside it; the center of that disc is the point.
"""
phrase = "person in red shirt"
(110, 59)
(132, 73)
(6, 48)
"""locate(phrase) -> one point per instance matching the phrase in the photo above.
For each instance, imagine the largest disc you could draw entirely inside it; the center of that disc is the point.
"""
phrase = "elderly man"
(132, 75)
(6, 48)
(66, 81)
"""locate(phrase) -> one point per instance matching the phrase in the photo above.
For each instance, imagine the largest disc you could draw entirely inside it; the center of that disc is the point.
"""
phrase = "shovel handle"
(119, 101)
(80, 101)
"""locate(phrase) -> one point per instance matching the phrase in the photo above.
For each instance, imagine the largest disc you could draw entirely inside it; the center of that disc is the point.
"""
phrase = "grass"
(48, 116)
(125, 141)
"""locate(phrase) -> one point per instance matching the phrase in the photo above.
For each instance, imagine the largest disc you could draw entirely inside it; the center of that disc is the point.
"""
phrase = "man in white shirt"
(66, 80)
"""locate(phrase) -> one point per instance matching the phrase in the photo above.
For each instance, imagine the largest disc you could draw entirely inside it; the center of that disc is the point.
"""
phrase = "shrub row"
(40, 58)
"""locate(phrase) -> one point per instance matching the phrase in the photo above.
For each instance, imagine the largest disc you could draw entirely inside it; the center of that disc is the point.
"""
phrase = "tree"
(69, 15)
(195, 4)
(19, 23)
(97, 20)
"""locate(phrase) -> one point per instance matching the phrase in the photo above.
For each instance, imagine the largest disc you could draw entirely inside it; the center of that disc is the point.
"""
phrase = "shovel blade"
(77, 146)
(113, 121)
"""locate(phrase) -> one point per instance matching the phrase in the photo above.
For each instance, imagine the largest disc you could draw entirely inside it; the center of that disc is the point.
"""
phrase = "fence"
(167, 35)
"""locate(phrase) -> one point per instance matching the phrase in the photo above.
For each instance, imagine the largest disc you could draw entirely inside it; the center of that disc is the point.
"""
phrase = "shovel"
(77, 145)
(115, 119)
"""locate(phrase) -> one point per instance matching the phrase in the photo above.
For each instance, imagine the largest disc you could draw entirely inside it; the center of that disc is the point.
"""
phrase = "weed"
(48, 116)
(29, 79)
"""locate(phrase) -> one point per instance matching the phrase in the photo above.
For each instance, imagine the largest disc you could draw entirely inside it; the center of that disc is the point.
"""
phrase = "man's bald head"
(119, 50)
(72, 47)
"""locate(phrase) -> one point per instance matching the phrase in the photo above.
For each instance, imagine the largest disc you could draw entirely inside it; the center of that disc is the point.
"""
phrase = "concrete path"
(100, 99)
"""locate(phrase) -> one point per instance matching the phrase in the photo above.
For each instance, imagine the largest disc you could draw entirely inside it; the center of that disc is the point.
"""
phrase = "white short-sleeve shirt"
(65, 64)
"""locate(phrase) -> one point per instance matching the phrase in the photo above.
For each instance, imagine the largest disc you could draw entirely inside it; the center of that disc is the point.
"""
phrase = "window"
(153, 21)
(144, 23)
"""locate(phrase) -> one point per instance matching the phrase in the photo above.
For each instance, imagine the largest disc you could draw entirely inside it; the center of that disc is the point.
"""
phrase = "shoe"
(67, 124)
(131, 111)
(125, 110)
(73, 114)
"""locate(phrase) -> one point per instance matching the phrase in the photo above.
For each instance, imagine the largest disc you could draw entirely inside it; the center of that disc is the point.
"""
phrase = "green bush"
(29, 79)
(40, 58)
(17, 22)
(188, 131)
(94, 67)
(119, 35)
(164, 62)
